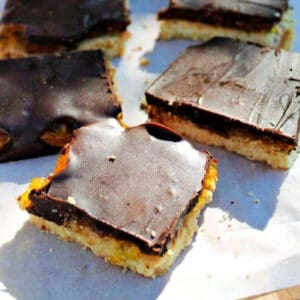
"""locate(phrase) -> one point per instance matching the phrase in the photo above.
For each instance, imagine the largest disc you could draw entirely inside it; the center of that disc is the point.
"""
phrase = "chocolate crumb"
(111, 158)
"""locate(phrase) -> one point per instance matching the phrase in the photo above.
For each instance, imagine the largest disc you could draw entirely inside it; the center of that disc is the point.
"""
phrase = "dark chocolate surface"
(229, 84)
(65, 22)
(242, 14)
(34, 92)
(136, 183)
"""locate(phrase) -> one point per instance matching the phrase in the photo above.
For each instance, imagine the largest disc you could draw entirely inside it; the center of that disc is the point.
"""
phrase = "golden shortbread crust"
(13, 45)
(281, 35)
(276, 154)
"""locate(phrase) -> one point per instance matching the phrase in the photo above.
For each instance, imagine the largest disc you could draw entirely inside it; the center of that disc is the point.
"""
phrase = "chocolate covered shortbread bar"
(236, 95)
(265, 22)
(133, 196)
(35, 27)
(44, 98)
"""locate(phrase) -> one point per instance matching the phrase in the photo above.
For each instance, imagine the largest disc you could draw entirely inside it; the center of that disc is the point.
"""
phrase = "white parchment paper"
(248, 242)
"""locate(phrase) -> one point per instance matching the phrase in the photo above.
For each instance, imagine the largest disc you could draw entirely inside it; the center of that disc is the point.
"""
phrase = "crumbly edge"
(125, 253)
(281, 35)
(277, 155)
(113, 45)
(12, 45)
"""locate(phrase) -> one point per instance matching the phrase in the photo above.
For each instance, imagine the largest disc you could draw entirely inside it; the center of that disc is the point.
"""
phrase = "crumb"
(272, 123)
(224, 82)
(209, 276)
(247, 276)
(229, 225)
(232, 202)
(144, 61)
(51, 250)
(255, 201)
(250, 193)
(139, 48)
(218, 237)
(170, 252)
(146, 81)
(111, 158)
(202, 229)
(144, 105)
(224, 218)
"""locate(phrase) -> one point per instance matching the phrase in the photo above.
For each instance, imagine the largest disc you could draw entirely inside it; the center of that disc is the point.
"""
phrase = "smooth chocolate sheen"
(43, 92)
(65, 22)
(135, 183)
(251, 15)
(225, 84)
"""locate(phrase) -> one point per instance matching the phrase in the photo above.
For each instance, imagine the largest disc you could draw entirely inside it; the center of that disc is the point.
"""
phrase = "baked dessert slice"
(265, 22)
(236, 95)
(48, 26)
(131, 195)
(44, 98)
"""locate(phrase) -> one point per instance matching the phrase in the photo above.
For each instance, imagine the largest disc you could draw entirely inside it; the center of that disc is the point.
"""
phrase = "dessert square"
(44, 98)
(131, 195)
(265, 22)
(236, 95)
(36, 27)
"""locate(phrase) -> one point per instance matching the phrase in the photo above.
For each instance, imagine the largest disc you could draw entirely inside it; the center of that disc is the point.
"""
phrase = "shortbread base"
(278, 155)
(281, 35)
(12, 45)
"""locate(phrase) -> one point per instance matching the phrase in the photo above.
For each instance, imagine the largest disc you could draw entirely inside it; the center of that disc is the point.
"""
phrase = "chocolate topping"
(250, 15)
(135, 183)
(65, 22)
(39, 92)
(229, 84)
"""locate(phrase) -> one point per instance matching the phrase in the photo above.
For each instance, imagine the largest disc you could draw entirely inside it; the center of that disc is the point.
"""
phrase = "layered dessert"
(44, 98)
(265, 22)
(35, 27)
(132, 195)
(236, 95)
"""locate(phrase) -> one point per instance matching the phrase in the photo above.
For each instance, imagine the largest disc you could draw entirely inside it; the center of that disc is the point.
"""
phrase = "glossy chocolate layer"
(225, 84)
(65, 22)
(134, 183)
(250, 15)
(40, 93)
